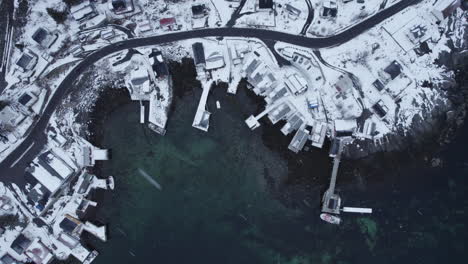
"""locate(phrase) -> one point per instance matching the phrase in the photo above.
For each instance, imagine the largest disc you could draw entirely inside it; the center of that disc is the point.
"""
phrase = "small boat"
(110, 183)
(330, 219)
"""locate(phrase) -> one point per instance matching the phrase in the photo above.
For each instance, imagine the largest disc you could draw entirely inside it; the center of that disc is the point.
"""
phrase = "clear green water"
(214, 206)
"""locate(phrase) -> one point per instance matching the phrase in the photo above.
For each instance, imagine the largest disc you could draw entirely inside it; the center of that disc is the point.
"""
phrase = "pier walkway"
(332, 201)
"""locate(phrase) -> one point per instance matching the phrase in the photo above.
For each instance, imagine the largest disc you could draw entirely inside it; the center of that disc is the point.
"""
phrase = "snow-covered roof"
(38, 252)
(43, 176)
(11, 117)
(345, 125)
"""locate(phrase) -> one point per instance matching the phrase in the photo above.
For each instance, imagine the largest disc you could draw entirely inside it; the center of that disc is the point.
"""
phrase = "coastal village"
(364, 90)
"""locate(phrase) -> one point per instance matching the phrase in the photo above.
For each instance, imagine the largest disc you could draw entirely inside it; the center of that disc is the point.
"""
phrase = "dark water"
(218, 202)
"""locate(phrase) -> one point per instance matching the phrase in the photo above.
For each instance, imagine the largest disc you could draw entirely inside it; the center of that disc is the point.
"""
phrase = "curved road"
(12, 167)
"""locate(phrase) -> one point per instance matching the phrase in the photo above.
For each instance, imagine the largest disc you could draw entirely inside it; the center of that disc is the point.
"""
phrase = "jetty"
(331, 201)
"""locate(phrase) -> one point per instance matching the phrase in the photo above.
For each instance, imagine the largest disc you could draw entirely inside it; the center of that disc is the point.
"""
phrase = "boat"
(330, 219)
(110, 183)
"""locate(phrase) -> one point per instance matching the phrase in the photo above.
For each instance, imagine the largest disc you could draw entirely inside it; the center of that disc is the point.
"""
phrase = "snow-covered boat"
(110, 183)
(330, 219)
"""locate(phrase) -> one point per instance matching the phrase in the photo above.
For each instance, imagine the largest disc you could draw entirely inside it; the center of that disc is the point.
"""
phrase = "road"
(24, 153)
(6, 17)
(310, 17)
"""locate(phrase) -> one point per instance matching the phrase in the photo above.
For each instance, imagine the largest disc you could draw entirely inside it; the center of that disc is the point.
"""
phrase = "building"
(392, 70)
(345, 128)
(39, 253)
(10, 117)
(28, 99)
(71, 225)
(380, 109)
(279, 113)
(108, 34)
(144, 26)
(92, 154)
(444, 8)
(20, 244)
(27, 61)
(378, 85)
(318, 134)
(198, 54)
(334, 147)
(7, 259)
(159, 65)
(293, 12)
(343, 84)
(299, 140)
(293, 123)
(121, 6)
(139, 83)
(82, 10)
(296, 84)
(198, 11)
(168, 23)
(215, 60)
(44, 38)
(329, 9)
(265, 5)
(50, 170)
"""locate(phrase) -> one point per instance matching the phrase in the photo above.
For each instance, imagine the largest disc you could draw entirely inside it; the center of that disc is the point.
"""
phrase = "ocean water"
(227, 196)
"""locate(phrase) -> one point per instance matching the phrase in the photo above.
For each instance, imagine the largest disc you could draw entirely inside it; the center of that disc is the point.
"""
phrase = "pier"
(252, 121)
(331, 202)
(202, 117)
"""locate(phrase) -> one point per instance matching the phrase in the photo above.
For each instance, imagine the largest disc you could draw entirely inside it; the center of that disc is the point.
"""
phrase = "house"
(198, 54)
(296, 84)
(121, 6)
(168, 23)
(330, 9)
(50, 170)
(39, 253)
(27, 61)
(345, 128)
(20, 244)
(44, 38)
(299, 140)
(82, 10)
(294, 13)
(198, 11)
